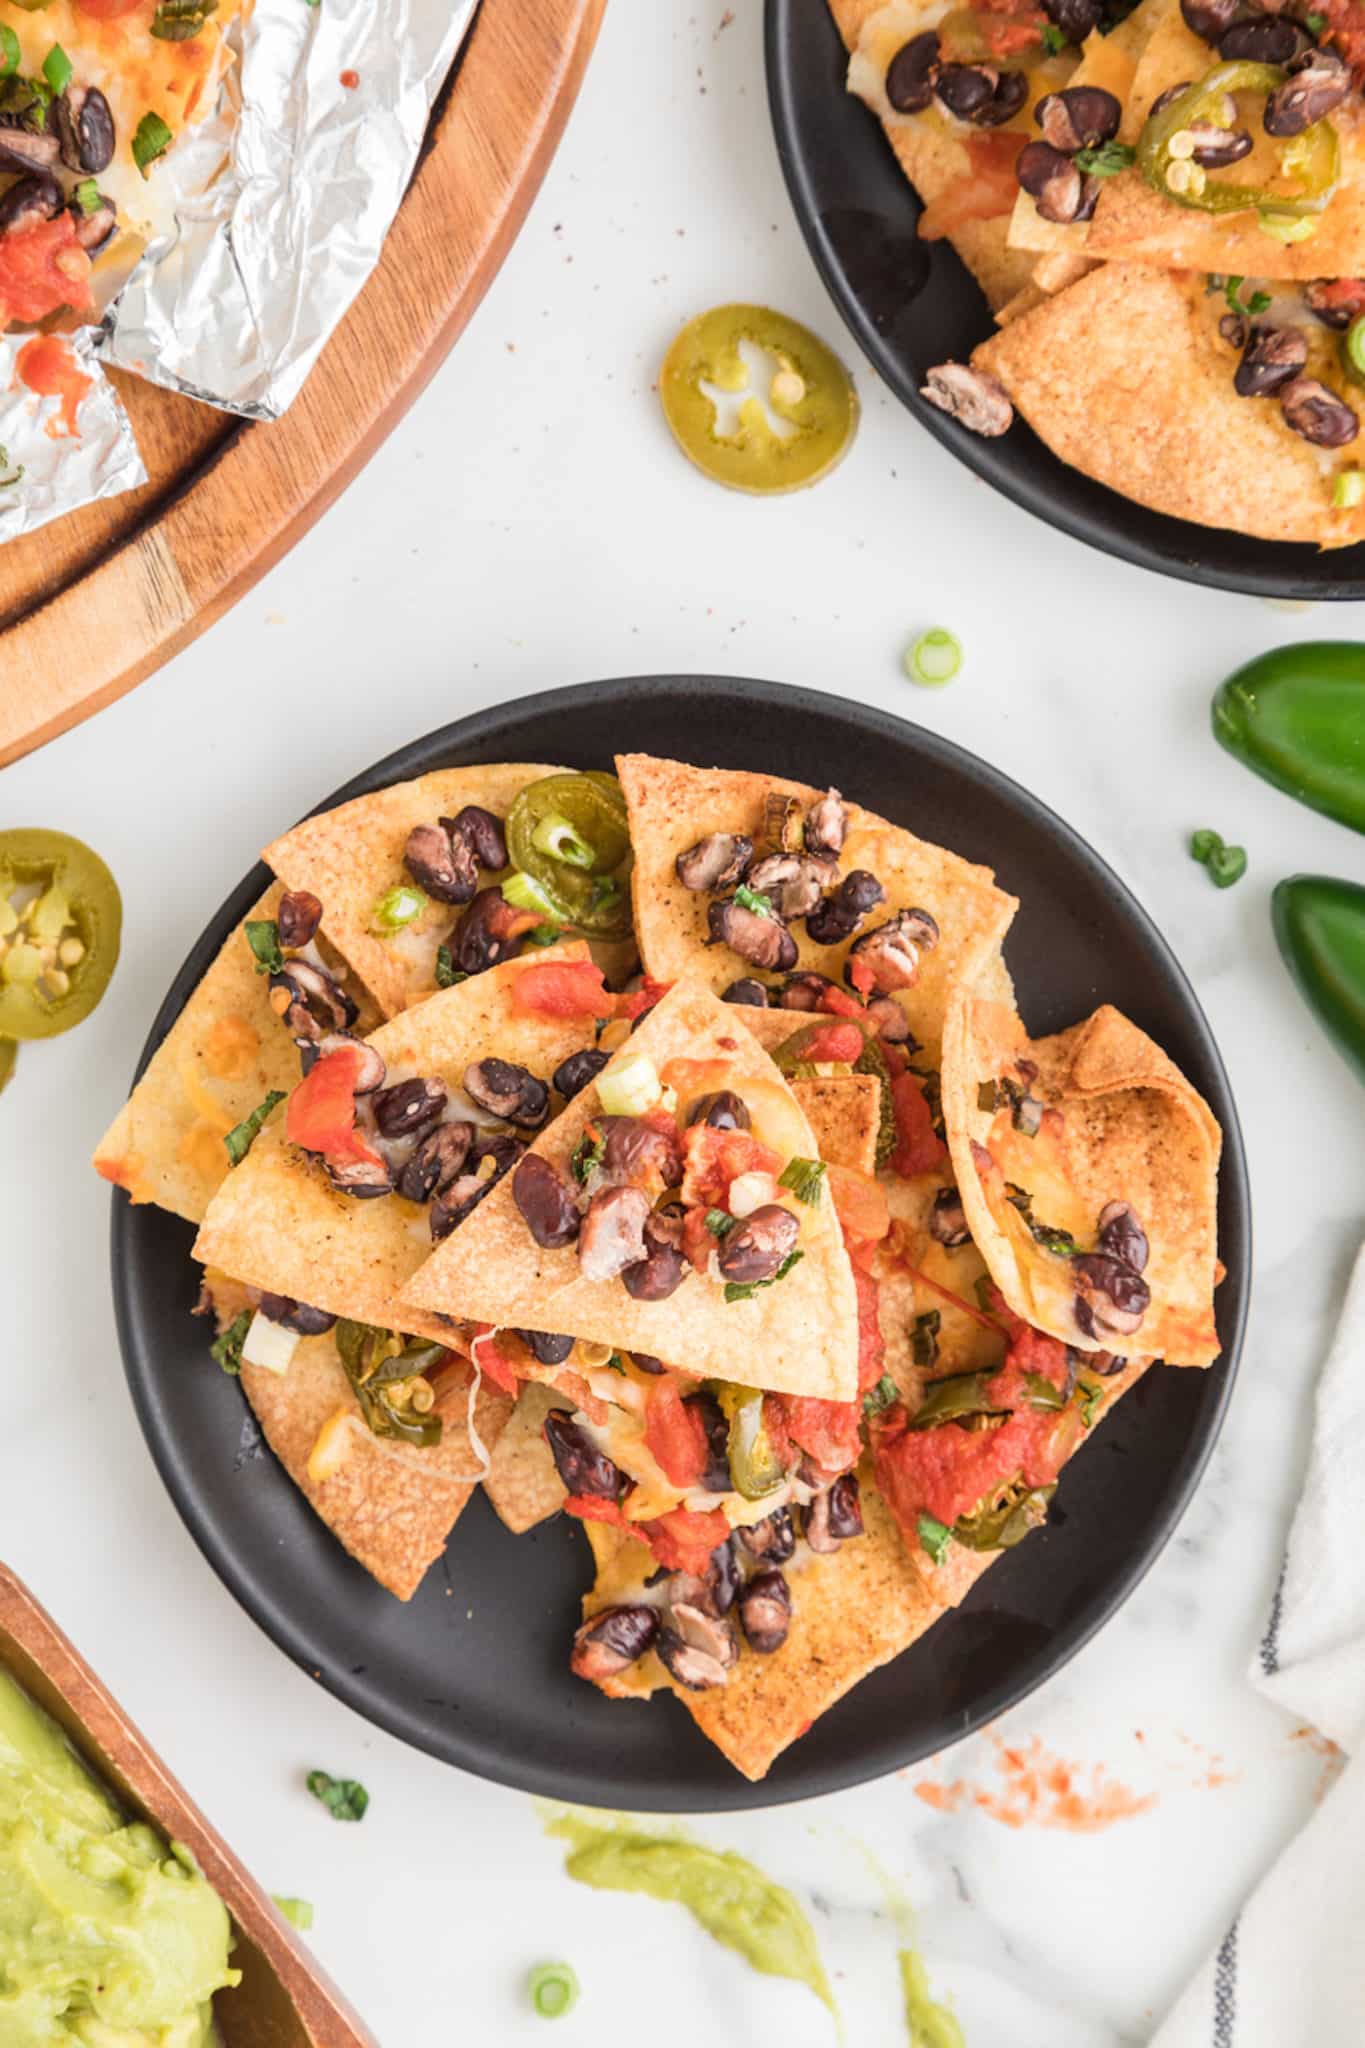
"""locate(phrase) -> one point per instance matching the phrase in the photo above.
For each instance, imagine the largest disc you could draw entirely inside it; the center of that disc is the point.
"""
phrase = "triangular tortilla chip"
(222, 1056)
(1136, 223)
(349, 857)
(935, 152)
(672, 805)
(522, 1482)
(1126, 378)
(277, 1223)
(797, 1336)
(392, 1505)
(1129, 1127)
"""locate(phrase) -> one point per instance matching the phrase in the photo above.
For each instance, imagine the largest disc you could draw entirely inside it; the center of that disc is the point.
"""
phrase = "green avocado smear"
(107, 1937)
(730, 1898)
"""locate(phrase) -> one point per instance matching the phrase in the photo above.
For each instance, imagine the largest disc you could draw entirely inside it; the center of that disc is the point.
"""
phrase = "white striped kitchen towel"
(1290, 1972)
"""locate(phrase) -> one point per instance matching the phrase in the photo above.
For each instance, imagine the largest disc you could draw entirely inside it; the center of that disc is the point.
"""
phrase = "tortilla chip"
(931, 148)
(277, 1223)
(851, 1613)
(1131, 1129)
(391, 1505)
(1109, 62)
(522, 1482)
(799, 1336)
(1125, 377)
(1140, 225)
(845, 1113)
(672, 805)
(350, 856)
(222, 1056)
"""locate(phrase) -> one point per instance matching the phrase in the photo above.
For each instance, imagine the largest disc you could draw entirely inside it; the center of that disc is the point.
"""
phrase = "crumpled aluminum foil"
(282, 200)
(60, 470)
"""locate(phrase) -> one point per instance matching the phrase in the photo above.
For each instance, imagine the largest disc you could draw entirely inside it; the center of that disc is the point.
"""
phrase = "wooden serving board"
(96, 601)
(284, 2000)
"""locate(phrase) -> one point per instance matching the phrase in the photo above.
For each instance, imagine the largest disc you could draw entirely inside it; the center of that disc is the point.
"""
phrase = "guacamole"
(106, 1937)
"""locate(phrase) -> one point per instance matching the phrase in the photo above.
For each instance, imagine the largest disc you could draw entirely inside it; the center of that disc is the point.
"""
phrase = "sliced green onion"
(57, 68)
(1105, 161)
(935, 658)
(556, 836)
(630, 1087)
(934, 1538)
(881, 1396)
(1226, 866)
(719, 1223)
(153, 139)
(1348, 489)
(9, 51)
(1288, 227)
(523, 892)
(803, 1178)
(1203, 844)
(227, 1349)
(87, 196)
(1090, 1394)
(553, 1989)
(755, 900)
(242, 1136)
(263, 937)
(740, 1290)
(398, 908)
(298, 1912)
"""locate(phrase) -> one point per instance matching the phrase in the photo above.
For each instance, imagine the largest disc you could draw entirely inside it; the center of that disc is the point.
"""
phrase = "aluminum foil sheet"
(280, 202)
(60, 470)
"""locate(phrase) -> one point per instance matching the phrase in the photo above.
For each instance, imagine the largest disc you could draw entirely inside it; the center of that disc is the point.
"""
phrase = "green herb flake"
(87, 196)
(263, 937)
(242, 1136)
(1091, 1393)
(1054, 42)
(719, 1223)
(10, 52)
(1315, 23)
(740, 1290)
(924, 1338)
(880, 1397)
(179, 21)
(588, 1153)
(934, 1538)
(298, 1912)
(552, 1989)
(57, 68)
(1106, 161)
(227, 1349)
(153, 139)
(803, 1178)
(447, 973)
(344, 1798)
(755, 900)
(543, 935)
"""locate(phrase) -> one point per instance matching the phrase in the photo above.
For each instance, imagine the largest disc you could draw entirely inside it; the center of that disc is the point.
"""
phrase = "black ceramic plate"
(475, 1668)
(911, 304)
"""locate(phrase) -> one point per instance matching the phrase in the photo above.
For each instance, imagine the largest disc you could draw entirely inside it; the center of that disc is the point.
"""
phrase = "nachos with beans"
(1166, 212)
(700, 1185)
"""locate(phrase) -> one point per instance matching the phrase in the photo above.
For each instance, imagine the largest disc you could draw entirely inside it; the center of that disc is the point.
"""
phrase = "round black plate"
(911, 304)
(475, 1668)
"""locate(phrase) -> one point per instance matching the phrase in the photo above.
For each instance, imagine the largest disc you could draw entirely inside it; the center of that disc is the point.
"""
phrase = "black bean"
(545, 1347)
(609, 1642)
(909, 88)
(482, 833)
(298, 917)
(755, 1248)
(408, 1107)
(546, 1203)
(1122, 1235)
(1265, 39)
(572, 1075)
(1317, 413)
(508, 1091)
(436, 1161)
(1081, 117)
(584, 1469)
(1210, 19)
(765, 1611)
(723, 1111)
(774, 1538)
(747, 991)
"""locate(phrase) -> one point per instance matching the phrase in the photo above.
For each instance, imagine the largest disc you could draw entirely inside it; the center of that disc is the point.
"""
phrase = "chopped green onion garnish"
(1348, 489)
(57, 68)
(1354, 344)
(753, 899)
(740, 1290)
(1288, 227)
(556, 836)
(934, 1538)
(523, 892)
(881, 1396)
(87, 196)
(9, 51)
(227, 1349)
(1091, 1393)
(344, 1798)
(153, 139)
(935, 658)
(803, 1178)
(240, 1139)
(1106, 161)
(1054, 42)
(447, 973)
(263, 937)
(719, 1222)
(553, 1989)
(544, 935)
(398, 908)
(298, 1912)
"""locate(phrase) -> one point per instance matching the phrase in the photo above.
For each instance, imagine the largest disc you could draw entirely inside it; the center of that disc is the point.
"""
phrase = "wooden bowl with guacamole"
(204, 1959)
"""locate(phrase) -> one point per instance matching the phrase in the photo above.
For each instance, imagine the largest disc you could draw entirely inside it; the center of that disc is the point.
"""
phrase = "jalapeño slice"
(60, 918)
(810, 396)
(569, 834)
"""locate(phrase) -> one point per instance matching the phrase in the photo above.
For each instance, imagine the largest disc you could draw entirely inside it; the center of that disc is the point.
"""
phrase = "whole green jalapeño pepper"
(1314, 157)
(1320, 926)
(1296, 716)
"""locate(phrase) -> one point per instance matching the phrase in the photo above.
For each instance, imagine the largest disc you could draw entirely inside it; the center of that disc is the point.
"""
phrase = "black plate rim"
(1280, 569)
(475, 737)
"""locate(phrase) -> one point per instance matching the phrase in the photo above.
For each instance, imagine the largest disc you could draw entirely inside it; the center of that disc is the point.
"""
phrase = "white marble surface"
(530, 524)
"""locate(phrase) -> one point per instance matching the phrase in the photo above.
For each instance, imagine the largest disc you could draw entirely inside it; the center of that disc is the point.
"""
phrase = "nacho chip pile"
(1164, 206)
(775, 1253)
